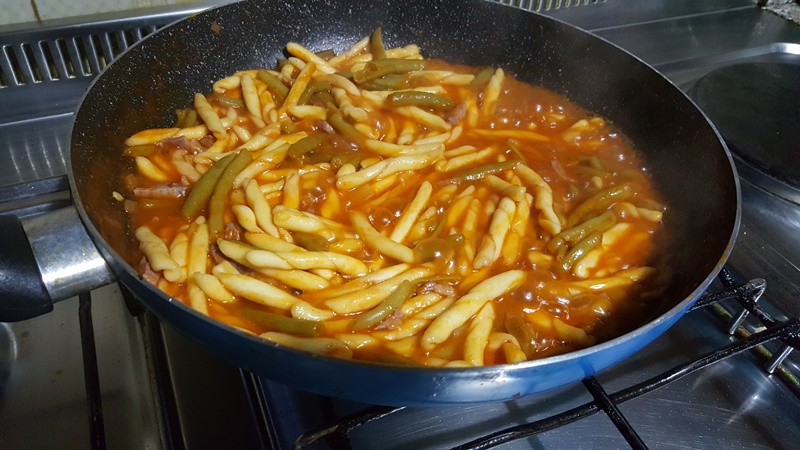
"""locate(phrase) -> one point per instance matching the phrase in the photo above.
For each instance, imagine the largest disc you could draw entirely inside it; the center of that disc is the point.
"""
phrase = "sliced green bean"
(599, 201)
(305, 145)
(326, 99)
(390, 82)
(277, 322)
(229, 101)
(216, 206)
(649, 203)
(348, 75)
(383, 67)
(180, 115)
(345, 158)
(202, 190)
(573, 190)
(593, 162)
(313, 88)
(346, 129)
(316, 158)
(141, 150)
(191, 118)
(572, 235)
(482, 78)
(392, 358)
(438, 279)
(420, 99)
(326, 54)
(274, 85)
(311, 242)
(431, 248)
(580, 250)
(488, 169)
(513, 145)
(288, 127)
(588, 172)
(520, 329)
(376, 45)
(387, 306)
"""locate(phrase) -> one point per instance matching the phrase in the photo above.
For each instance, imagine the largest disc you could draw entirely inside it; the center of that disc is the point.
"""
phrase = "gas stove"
(100, 371)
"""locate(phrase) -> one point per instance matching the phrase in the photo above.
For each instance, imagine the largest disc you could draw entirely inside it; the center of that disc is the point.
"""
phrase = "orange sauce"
(567, 161)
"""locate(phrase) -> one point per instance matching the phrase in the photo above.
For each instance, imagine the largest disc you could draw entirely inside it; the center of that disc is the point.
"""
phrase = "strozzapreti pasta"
(382, 206)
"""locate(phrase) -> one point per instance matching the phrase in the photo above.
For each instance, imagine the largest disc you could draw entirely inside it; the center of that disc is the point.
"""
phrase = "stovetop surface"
(732, 404)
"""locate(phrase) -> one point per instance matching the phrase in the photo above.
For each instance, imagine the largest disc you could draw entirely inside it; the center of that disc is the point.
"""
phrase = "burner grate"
(746, 294)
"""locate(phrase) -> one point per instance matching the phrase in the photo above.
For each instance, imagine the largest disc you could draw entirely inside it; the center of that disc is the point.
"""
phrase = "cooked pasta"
(382, 206)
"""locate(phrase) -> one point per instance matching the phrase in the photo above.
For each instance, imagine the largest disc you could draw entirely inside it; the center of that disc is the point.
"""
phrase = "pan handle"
(46, 259)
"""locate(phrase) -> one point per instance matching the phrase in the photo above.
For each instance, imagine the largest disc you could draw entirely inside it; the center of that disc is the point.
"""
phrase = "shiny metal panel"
(42, 399)
(68, 260)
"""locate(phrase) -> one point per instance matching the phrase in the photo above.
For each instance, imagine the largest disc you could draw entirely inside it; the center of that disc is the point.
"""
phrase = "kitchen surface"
(99, 371)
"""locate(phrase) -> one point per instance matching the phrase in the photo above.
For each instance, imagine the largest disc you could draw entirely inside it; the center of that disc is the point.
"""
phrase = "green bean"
(390, 82)
(600, 201)
(348, 75)
(316, 158)
(376, 45)
(202, 190)
(573, 190)
(438, 279)
(223, 187)
(313, 88)
(191, 118)
(383, 67)
(277, 322)
(394, 359)
(592, 161)
(482, 78)
(488, 169)
(326, 54)
(141, 150)
(649, 203)
(420, 99)
(345, 158)
(588, 172)
(513, 145)
(311, 242)
(274, 85)
(387, 306)
(517, 327)
(305, 145)
(180, 115)
(288, 127)
(229, 101)
(326, 99)
(580, 250)
(431, 248)
(597, 224)
(345, 129)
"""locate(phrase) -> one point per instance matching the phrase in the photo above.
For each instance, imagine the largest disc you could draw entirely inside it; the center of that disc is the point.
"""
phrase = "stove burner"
(756, 108)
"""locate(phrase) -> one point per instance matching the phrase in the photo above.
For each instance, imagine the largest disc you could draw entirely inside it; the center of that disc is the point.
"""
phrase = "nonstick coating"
(690, 166)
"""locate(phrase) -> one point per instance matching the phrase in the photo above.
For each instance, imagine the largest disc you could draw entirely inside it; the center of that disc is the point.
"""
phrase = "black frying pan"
(690, 166)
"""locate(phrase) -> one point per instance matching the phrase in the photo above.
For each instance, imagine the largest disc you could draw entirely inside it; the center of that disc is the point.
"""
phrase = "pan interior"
(142, 90)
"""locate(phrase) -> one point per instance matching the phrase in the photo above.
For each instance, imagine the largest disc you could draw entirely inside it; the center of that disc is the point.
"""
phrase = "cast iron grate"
(787, 332)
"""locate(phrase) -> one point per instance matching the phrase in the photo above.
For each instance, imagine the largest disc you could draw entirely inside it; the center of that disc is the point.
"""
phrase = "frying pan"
(690, 167)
